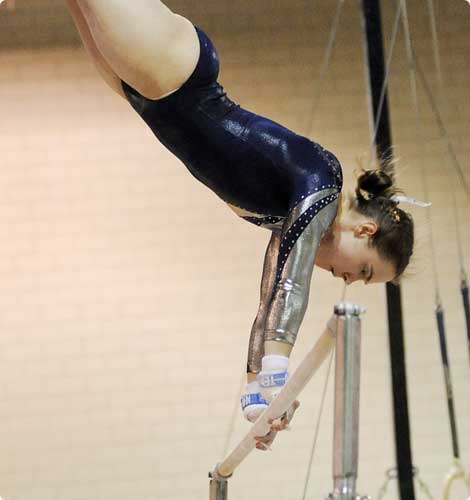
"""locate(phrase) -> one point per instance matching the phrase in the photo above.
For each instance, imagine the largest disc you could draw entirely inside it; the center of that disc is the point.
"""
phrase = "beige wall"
(128, 289)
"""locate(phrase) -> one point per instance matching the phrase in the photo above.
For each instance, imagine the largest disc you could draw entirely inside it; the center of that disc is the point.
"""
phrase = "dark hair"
(394, 238)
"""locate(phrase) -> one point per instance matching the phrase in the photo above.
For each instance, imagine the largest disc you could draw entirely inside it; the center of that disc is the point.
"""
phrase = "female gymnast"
(167, 69)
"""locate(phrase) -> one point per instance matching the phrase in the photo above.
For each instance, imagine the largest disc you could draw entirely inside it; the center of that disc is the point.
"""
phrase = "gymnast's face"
(348, 254)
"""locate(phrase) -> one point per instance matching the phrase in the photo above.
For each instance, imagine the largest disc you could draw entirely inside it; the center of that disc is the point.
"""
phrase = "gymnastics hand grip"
(253, 403)
(273, 375)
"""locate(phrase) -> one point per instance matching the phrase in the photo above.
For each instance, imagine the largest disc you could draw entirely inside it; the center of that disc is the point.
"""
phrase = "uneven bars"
(296, 382)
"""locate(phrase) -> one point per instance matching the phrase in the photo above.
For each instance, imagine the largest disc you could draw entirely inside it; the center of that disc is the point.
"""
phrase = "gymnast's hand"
(253, 404)
(263, 443)
(262, 391)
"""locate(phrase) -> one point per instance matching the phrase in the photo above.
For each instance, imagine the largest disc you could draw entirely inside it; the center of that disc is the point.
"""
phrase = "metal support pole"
(218, 487)
(466, 307)
(347, 379)
(373, 43)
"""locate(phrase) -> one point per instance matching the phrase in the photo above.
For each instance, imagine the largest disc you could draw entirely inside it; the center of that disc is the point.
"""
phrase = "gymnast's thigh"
(155, 59)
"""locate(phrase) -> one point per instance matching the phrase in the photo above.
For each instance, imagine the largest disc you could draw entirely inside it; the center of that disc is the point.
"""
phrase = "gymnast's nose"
(348, 278)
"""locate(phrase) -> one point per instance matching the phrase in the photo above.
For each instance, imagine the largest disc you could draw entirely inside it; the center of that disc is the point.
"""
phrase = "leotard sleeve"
(298, 247)
(290, 259)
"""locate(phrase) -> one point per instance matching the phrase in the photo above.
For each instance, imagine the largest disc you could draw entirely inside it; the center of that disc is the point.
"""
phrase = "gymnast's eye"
(364, 274)
(368, 273)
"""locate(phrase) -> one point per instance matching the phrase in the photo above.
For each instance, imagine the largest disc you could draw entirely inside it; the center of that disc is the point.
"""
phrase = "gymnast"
(167, 69)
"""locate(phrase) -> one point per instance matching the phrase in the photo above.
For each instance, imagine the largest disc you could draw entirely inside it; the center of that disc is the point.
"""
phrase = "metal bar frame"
(346, 417)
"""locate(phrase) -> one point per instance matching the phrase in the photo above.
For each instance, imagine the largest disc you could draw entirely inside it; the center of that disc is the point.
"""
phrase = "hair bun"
(374, 182)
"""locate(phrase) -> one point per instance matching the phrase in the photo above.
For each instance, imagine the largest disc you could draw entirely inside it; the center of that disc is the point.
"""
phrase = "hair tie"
(397, 198)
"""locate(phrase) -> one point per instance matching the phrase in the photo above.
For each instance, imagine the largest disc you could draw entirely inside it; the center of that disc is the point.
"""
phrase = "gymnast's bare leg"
(104, 69)
(141, 42)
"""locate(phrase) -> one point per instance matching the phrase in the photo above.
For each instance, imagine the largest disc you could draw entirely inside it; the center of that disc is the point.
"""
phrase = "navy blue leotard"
(256, 164)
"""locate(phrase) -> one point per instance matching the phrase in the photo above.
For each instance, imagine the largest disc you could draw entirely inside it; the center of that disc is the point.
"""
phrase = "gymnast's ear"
(368, 228)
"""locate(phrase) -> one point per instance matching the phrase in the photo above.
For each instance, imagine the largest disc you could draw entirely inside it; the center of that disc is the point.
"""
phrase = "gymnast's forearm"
(285, 317)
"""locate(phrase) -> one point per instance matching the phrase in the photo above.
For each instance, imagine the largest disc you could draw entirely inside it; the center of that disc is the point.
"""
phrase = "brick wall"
(128, 289)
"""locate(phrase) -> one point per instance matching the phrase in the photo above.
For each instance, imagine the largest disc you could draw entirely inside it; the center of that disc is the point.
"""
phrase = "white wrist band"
(274, 362)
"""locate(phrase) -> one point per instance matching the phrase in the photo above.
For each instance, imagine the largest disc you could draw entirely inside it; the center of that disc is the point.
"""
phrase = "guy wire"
(324, 67)
(442, 94)
(424, 180)
(384, 84)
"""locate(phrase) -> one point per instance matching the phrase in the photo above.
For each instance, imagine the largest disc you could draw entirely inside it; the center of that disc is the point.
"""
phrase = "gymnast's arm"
(307, 222)
(256, 344)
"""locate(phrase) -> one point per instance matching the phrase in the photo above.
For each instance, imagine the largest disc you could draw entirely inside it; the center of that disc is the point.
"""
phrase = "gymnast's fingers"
(263, 443)
(283, 424)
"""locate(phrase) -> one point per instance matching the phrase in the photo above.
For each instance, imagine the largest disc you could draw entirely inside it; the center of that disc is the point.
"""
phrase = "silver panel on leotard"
(281, 310)
(290, 298)
(256, 344)
(304, 205)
